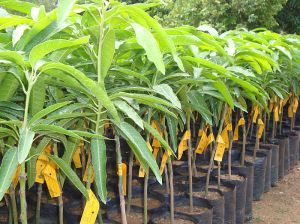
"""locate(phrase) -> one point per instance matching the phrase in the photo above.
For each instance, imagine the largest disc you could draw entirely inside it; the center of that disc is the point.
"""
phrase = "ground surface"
(281, 205)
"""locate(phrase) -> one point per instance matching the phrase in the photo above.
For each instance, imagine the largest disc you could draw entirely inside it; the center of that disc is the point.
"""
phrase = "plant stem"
(9, 207)
(23, 194)
(120, 182)
(60, 199)
(171, 190)
(256, 147)
(167, 179)
(188, 122)
(211, 162)
(219, 175)
(38, 203)
(244, 143)
(229, 149)
(14, 209)
(146, 196)
(130, 165)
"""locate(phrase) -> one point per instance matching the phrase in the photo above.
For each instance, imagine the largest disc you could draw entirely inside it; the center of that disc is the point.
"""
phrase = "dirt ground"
(281, 205)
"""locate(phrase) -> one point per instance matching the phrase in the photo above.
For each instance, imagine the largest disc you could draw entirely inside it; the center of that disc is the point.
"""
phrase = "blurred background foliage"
(278, 15)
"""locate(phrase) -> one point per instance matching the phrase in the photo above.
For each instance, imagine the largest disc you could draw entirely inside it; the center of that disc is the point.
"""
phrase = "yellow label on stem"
(276, 113)
(124, 176)
(225, 138)
(296, 103)
(290, 111)
(255, 114)
(48, 148)
(261, 128)
(141, 172)
(76, 157)
(200, 132)
(183, 146)
(91, 209)
(280, 106)
(155, 151)
(156, 143)
(86, 172)
(16, 176)
(41, 164)
(220, 149)
(236, 129)
(210, 139)
(51, 180)
(202, 144)
(163, 162)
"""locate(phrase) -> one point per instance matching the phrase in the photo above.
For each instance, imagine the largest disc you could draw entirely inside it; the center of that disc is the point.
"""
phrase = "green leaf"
(54, 129)
(107, 53)
(97, 89)
(198, 103)
(47, 111)
(37, 97)
(39, 51)
(7, 170)
(148, 42)
(130, 112)
(19, 6)
(25, 143)
(67, 170)
(172, 127)
(63, 9)
(166, 91)
(98, 150)
(222, 88)
(140, 149)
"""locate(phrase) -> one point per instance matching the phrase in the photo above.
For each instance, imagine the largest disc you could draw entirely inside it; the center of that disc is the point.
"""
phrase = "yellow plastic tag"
(236, 129)
(210, 139)
(124, 175)
(290, 111)
(163, 162)
(76, 157)
(225, 138)
(261, 128)
(200, 132)
(255, 114)
(296, 103)
(41, 164)
(48, 148)
(91, 209)
(276, 113)
(85, 175)
(280, 106)
(141, 172)
(220, 149)
(156, 143)
(51, 180)
(202, 144)
(155, 151)
(183, 146)
(271, 106)
(16, 176)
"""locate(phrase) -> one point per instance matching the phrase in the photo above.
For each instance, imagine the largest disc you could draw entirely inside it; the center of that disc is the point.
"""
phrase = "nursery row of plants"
(108, 117)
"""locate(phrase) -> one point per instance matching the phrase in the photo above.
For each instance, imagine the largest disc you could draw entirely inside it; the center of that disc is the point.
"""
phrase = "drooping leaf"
(67, 170)
(167, 92)
(130, 112)
(148, 42)
(42, 49)
(47, 111)
(139, 147)
(7, 170)
(63, 9)
(98, 150)
(25, 143)
(107, 53)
